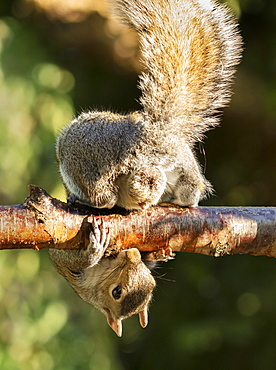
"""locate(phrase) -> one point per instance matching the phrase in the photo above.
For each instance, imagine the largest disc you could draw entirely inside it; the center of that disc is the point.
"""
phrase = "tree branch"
(45, 222)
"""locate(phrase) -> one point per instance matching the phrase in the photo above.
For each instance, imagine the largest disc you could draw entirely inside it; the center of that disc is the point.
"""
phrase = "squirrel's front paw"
(161, 255)
(99, 241)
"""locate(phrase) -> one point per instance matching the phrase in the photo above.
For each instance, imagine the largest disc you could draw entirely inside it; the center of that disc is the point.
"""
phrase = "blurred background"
(60, 57)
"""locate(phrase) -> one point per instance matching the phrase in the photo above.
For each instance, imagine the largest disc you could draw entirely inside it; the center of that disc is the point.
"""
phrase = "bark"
(45, 222)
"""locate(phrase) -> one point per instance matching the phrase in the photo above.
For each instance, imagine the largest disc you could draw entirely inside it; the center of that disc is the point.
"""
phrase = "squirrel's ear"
(115, 325)
(143, 317)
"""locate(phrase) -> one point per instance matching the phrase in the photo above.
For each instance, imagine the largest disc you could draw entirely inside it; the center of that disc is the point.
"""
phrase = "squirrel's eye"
(117, 292)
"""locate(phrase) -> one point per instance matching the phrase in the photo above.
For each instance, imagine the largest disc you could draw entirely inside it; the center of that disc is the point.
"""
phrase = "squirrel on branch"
(189, 52)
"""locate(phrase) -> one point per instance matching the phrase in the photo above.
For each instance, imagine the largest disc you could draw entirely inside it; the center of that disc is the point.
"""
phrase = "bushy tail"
(189, 51)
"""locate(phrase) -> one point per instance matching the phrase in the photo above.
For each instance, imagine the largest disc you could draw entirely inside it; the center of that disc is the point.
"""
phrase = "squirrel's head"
(124, 288)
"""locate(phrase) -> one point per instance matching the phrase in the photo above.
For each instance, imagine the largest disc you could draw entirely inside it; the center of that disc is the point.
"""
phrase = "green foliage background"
(207, 313)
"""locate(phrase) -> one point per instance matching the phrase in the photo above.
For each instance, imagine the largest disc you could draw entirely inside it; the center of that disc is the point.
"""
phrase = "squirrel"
(189, 50)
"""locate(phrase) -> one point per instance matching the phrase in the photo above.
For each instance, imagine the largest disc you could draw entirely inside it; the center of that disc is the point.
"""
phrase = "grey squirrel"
(189, 52)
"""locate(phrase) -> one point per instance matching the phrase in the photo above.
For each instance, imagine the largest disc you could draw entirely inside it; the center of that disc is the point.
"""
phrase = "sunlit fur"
(189, 50)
